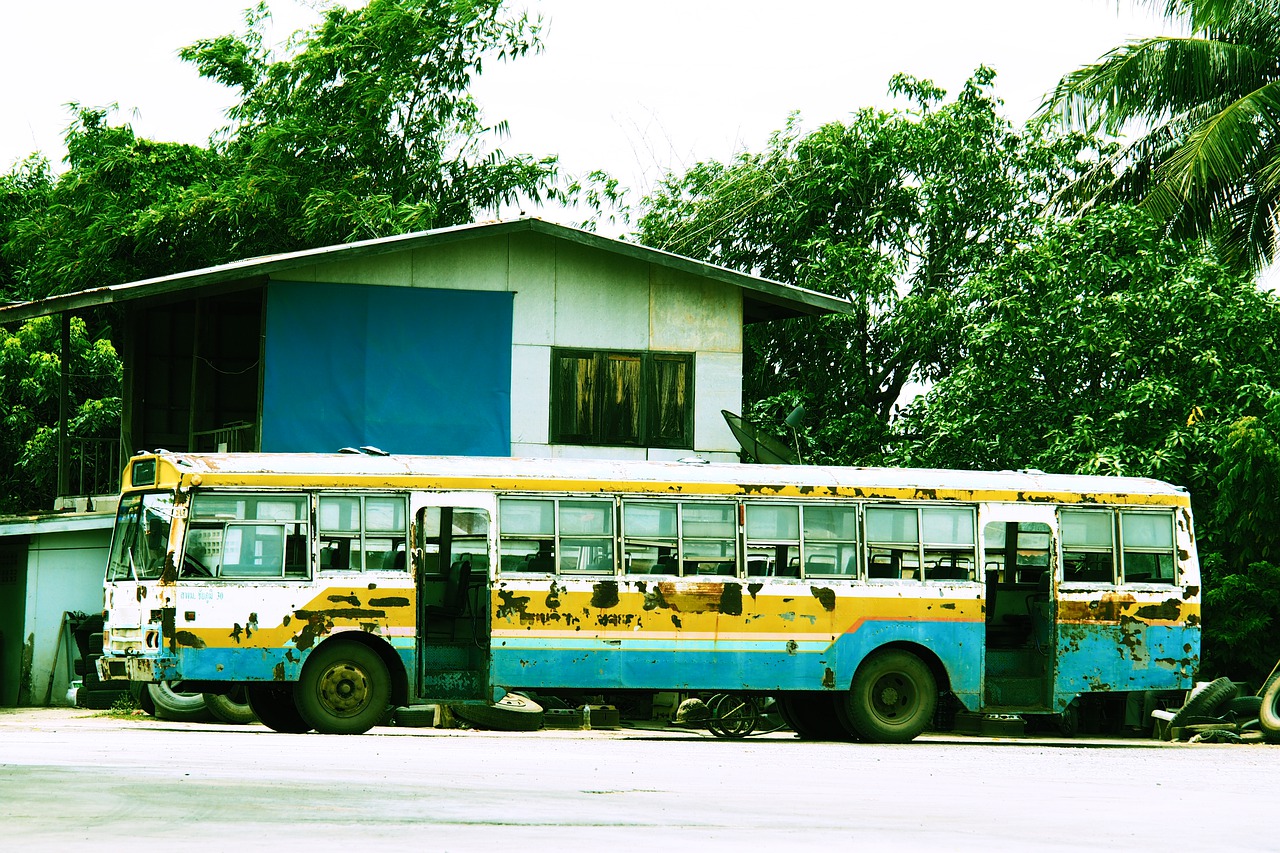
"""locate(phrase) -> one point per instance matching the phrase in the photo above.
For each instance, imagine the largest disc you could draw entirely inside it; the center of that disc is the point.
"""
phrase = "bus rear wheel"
(892, 698)
(272, 703)
(344, 690)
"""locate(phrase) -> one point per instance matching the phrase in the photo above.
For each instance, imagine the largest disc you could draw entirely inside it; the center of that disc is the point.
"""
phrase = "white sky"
(633, 88)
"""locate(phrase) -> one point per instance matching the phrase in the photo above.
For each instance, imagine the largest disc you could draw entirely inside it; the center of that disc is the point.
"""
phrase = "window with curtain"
(622, 399)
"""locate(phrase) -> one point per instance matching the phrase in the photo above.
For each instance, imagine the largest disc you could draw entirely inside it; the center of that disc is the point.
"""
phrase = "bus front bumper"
(136, 668)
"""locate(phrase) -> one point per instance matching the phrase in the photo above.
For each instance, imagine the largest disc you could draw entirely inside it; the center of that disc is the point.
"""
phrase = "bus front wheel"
(344, 690)
(892, 697)
(272, 703)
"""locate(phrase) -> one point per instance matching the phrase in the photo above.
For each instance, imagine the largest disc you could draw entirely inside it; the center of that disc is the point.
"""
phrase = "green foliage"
(891, 210)
(1241, 619)
(1104, 347)
(30, 369)
(363, 127)
(1247, 512)
(1206, 106)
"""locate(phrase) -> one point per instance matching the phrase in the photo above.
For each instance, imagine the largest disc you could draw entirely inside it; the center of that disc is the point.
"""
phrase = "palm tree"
(1207, 110)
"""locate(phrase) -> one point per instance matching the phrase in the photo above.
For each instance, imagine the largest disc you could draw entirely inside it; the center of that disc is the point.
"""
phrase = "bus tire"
(345, 689)
(812, 716)
(232, 707)
(511, 713)
(272, 703)
(1268, 712)
(177, 706)
(1205, 701)
(892, 698)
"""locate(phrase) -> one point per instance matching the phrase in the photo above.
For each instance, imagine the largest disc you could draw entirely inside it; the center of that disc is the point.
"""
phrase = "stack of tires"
(177, 705)
(1215, 711)
(94, 694)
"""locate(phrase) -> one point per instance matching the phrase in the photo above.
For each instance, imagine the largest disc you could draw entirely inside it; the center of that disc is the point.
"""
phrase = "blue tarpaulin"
(409, 370)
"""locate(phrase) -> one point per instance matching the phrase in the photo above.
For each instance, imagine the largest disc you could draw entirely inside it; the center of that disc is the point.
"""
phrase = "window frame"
(306, 528)
(361, 536)
(600, 433)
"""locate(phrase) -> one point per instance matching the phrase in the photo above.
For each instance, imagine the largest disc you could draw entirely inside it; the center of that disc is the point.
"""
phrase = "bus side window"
(773, 540)
(1088, 545)
(1147, 541)
(893, 542)
(363, 532)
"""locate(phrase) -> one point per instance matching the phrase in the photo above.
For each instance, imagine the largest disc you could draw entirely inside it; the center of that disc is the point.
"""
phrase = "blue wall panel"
(409, 370)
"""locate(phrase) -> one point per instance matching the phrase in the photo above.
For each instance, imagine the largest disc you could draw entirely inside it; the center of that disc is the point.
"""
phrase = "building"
(514, 338)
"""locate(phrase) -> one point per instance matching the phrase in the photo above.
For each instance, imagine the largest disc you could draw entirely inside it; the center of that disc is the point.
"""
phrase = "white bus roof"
(590, 475)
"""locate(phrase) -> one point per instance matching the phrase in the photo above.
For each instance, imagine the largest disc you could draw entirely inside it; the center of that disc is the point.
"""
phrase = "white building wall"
(570, 295)
(66, 562)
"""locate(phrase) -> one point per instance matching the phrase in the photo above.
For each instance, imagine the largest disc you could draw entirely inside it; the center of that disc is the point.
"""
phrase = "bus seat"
(757, 568)
(820, 565)
(667, 565)
(456, 589)
(882, 566)
(543, 561)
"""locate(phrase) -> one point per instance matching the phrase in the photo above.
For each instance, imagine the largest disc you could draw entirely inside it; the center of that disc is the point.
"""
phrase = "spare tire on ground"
(1205, 701)
(512, 713)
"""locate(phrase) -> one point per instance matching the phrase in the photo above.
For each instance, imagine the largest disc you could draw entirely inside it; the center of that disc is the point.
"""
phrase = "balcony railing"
(96, 464)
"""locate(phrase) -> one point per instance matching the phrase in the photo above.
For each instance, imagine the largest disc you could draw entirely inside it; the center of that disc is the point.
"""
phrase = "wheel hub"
(344, 689)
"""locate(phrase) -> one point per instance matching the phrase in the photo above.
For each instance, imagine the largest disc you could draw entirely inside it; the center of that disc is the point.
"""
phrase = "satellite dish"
(756, 444)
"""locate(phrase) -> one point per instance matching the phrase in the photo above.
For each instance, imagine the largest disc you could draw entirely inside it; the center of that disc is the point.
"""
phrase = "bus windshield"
(141, 537)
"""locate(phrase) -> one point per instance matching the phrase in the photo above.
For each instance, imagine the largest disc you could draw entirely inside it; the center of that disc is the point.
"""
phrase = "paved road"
(68, 778)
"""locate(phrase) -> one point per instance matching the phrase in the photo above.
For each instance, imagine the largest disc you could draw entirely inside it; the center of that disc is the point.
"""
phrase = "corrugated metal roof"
(764, 299)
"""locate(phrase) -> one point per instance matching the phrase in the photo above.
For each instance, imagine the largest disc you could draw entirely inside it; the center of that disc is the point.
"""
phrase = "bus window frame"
(192, 522)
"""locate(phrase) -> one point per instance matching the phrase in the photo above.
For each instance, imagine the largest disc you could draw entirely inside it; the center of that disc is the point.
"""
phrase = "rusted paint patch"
(731, 599)
(950, 605)
(553, 596)
(509, 603)
(604, 595)
(1107, 608)
(345, 599)
(675, 620)
(1169, 610)
(390, 601)
(1190, 593)
(142, 592)
(169, 574)
(792, 647)
(753, 588)
(342, 613)
(826, 597)
(236, 632)
(168, 626)
(316, 626)
(653, 599)
(828, 678)
(188, 639)
(690, 597)
(277, 672)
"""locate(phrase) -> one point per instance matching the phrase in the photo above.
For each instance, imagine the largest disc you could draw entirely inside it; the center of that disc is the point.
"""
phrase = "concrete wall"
(66, 557)
(570, 295)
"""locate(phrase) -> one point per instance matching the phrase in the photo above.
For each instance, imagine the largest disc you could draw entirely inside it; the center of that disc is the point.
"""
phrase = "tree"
(1104, 347)
(29, 384)
(367, 129)
(364, 127)
(1207, 108)
(892, 210)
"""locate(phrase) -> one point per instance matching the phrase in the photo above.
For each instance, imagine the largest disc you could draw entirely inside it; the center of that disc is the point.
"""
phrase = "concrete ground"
(69, 777)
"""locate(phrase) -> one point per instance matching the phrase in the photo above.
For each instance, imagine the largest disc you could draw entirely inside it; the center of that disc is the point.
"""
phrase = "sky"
(634, 88)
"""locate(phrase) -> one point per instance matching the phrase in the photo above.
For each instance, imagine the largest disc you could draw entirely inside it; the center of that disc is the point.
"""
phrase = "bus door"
(453, 546)
(1123, 622)
(1018, 570)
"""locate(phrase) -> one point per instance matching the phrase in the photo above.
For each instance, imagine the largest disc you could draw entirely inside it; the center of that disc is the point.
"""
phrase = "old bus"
(333, 586)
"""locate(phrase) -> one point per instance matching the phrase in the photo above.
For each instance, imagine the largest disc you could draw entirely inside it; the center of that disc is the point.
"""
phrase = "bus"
(331, 587)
